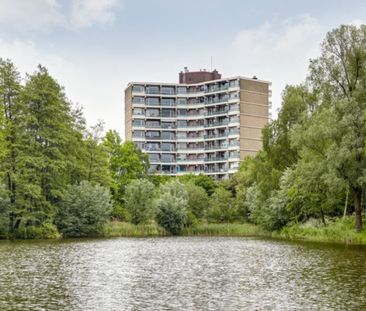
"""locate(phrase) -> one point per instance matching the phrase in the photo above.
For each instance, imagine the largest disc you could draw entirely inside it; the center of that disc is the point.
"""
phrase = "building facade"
(207, 124)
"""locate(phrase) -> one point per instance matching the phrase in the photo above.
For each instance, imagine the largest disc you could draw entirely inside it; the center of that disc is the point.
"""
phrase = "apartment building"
(203, 124)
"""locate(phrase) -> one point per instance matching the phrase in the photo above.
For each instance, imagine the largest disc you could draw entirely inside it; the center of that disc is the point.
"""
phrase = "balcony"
(216, 147)
(215, 113)
(214, 136)
(217, 124)
(216, 159)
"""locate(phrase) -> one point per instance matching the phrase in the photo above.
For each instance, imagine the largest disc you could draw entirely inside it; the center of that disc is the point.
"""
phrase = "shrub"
(84, 211)
(139, 200)
(172, 207)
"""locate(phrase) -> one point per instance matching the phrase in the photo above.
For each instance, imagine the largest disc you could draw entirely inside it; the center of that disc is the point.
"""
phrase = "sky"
(95, 47)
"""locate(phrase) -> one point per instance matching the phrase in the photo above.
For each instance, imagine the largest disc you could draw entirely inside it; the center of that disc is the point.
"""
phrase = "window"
(138, 100)
(154, 157)
(152, 89)
(138, 111)
(170, 90)
(167, 102)
(138, 122)
(182, 101)
(181, 90)
(152, 134)
(152, 112)
(234, 83)
(138, 89)
(152, 101)
(167, 135)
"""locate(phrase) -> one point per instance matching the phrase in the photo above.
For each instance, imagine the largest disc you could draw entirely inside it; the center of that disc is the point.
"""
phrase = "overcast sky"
(95, 47)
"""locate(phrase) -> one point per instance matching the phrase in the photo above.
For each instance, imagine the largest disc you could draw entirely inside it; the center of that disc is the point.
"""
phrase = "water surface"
(181, 274)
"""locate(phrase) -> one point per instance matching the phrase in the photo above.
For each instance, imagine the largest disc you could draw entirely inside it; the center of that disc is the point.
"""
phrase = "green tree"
(139, 200)
(338, 76)
(84, 211)
(172, 207)
(4, 212)
(47, 149)
(198, 201)
(222, 208)
(97, 170)
(126, 163)
(201, 180)
(10, 130)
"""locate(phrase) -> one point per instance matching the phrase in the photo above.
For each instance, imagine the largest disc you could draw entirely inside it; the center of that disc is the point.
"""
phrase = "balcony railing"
(214, 113)
(215, 124)
(216, 135)
(216, 159)
(216, 147)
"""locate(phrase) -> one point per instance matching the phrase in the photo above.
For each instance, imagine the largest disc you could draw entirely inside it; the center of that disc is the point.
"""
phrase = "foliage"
(204, 181)
(84, 210)
(221, 205)
(4, 211)
(126, 163)
(172, 207)
(139, 201)
(198, 201)
(126, 229)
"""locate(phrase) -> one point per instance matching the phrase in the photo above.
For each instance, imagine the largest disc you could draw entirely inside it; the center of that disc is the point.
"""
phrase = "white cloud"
(279, 52)
(85, 13)
(28, 15)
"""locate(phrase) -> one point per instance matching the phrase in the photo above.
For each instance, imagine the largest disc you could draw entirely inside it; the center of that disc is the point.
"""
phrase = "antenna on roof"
(211, 63)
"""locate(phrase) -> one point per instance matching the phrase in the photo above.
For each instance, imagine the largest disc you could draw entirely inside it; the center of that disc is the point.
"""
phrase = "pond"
(183, 273)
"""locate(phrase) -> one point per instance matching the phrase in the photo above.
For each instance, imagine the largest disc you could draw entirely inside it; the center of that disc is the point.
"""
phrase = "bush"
(45, 231)
(172, 207)
(84, 211)
(139, 200)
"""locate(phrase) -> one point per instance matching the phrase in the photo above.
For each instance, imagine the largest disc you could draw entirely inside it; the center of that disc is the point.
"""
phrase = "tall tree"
(339, 77)
(126, 163)
(48, 145)
(10, 129)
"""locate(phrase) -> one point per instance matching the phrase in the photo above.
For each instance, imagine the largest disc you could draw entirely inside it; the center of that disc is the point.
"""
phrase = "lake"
(183, 273)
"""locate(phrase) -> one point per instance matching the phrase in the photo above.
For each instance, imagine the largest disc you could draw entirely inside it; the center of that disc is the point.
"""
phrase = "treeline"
(313, 162)
(57, 177)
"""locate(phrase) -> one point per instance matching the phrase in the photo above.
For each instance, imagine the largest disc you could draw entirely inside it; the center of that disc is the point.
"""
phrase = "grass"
(245, 229)
(125, 229)
(337, 230)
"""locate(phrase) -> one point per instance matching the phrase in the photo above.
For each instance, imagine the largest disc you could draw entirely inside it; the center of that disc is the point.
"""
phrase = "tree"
(172, 207)
(338, 76)
(97, 170)
(201, 180)
(4, 212)
(126, 163)
(48, 147)
(197, 201)
(222, 208)
(139, 200)
(11, 110)
(84, 211)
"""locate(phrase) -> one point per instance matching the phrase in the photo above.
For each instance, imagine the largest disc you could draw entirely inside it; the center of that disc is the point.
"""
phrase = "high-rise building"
(203, 124)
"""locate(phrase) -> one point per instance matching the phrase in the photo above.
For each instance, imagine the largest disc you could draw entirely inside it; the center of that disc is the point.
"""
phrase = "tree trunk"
(357, 197)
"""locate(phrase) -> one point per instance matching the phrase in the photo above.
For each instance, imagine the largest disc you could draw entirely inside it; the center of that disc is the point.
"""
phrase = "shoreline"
(338, 231)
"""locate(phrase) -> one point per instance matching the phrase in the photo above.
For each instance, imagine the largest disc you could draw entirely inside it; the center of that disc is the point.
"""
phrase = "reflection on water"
(181, 274)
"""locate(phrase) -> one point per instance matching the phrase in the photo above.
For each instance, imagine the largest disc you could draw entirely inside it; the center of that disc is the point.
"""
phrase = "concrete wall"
(128, 113)
(253, 115)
